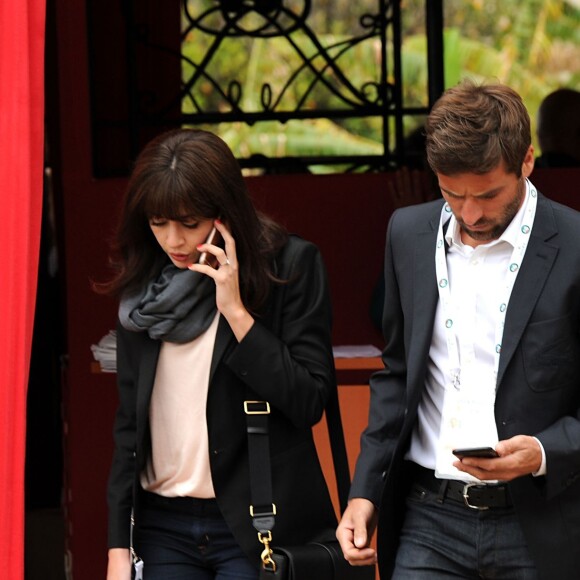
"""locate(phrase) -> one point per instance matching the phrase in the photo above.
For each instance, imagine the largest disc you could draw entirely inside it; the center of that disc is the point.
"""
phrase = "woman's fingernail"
(218, 222)
(198, 247)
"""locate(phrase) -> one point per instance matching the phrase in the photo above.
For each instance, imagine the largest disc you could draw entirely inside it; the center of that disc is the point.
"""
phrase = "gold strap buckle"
(271, 513)
(256, 407)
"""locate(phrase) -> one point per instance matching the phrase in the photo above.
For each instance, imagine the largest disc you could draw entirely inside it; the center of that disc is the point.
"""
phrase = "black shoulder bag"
(314, 560)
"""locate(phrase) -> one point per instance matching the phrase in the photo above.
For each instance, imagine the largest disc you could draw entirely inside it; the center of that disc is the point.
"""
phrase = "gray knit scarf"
(178, 306)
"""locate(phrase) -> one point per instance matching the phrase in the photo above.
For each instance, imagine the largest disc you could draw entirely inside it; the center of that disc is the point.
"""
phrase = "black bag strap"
(262, 508)
(338, 449)
(137, 563)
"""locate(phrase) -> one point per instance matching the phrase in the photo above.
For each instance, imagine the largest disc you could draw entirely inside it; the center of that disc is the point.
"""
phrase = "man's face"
(484, 205)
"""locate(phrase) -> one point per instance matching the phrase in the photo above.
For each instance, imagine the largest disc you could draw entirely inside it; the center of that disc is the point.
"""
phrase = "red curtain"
(21, 177)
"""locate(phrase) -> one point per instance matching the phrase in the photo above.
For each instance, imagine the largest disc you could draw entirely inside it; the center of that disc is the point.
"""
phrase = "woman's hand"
(119, 566)
(226, 278)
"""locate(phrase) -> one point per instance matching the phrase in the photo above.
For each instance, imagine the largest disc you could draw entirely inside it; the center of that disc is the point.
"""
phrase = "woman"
(195, 340)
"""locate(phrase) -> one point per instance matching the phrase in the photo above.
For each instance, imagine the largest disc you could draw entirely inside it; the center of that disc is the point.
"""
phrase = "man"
(559, 129)
(481, 324)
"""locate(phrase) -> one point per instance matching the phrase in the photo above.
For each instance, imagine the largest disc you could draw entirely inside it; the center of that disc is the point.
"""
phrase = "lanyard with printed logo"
(443, 286)
(467, 413)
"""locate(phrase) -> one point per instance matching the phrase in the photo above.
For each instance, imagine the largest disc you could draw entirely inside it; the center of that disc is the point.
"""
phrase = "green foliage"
(533, 46)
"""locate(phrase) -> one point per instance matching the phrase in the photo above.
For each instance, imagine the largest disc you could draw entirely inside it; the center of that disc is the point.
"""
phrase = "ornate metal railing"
(321, 65)
(316, 65)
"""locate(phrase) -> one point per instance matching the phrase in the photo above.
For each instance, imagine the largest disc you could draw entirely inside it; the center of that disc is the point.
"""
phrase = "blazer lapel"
(425, 298)
(224, 337)
(147, 365)
(536, 266)
(150, 354)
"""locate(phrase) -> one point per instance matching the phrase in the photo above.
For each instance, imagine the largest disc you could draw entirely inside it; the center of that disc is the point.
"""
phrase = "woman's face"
(179, 238)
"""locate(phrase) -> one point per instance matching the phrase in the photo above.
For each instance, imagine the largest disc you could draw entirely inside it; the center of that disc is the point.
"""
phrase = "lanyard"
(515, 261)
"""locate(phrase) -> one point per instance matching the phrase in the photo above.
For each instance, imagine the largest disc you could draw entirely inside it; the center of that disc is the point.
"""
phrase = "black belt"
(472, 495)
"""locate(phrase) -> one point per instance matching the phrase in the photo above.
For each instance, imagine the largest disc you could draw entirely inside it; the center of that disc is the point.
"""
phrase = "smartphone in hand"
(486, 452)
(206, 258)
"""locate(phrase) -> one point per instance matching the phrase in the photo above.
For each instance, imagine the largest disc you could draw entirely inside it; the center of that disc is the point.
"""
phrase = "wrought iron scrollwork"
(275, 18)
(317, 83)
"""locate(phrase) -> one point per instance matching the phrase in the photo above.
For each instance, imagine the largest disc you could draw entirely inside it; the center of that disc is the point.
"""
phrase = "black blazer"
(286, 359)
(538, 381)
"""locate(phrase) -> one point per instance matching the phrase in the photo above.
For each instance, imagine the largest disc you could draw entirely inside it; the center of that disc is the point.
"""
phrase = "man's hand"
(355, 531)
(518, 456)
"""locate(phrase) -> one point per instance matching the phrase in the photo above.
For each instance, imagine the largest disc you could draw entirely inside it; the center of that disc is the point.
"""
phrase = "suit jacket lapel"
(150, 354)
(224, 337)
(425, 298)
(147, 365)
(536, 265)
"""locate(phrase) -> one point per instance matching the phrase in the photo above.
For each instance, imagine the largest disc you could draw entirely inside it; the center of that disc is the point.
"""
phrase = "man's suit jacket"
(286, 359)
(538, 389)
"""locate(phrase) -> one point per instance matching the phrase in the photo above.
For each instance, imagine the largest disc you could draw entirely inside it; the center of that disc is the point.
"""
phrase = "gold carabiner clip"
(266, 555)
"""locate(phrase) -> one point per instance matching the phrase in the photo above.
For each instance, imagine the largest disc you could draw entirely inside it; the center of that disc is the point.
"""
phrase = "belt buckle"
(465, 494)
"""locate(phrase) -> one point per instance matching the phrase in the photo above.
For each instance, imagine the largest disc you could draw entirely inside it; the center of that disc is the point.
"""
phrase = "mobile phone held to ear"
(206, 258)
(486, 452)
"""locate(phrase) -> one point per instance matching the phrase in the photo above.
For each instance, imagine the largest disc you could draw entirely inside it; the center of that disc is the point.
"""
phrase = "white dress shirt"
(476, 279)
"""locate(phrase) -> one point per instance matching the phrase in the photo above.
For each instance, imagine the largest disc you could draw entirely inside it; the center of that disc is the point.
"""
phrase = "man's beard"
(497, 228)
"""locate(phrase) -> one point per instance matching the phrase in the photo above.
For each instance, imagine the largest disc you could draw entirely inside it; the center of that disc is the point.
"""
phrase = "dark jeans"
(448, 540)
(188, 539)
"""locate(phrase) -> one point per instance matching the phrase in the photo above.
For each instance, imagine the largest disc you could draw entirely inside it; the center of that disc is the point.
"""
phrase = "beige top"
(179, 462)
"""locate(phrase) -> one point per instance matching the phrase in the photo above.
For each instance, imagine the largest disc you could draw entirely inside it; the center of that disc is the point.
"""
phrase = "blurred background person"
(558, 129)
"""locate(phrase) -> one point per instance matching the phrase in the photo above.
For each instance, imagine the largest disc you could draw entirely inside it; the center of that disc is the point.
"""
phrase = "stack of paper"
(105, 352)
(356, 351)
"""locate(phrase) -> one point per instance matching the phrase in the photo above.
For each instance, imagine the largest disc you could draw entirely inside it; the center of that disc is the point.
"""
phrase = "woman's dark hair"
(472, 128)
(191, 173)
